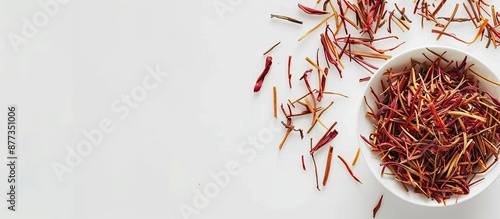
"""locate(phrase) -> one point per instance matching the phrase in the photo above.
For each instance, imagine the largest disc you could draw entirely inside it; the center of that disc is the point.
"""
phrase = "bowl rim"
(365, 151)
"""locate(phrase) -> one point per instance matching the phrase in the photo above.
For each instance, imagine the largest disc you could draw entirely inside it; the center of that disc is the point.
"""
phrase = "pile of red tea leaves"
(435, 130)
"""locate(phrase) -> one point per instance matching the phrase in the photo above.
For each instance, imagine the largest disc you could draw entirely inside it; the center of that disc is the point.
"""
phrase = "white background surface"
(91, 53)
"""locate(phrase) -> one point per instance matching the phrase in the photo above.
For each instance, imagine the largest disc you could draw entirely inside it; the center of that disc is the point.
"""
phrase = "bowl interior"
(364, 124)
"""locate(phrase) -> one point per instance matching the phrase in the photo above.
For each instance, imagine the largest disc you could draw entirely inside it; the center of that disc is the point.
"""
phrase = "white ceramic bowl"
(364, 124)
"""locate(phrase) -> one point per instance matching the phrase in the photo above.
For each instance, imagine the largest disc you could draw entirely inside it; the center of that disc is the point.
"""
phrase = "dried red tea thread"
(325, 4)
(342, 16)
(377, 207)
(486, 79)
(309, 10)
(371, 55)
(328, 163)
(260, 79)
(416, 7)
(356, 157)
(289, 72)
(316, 27)
(449, 21)
(319, 72)
(368, 40)
(352, 23)
(365, 79)
(326, 51)
(354, 41)
(455, 19)
(403, 22)
(438, 8)
(497, 15)
(495, 18)
(477, 181)
(389, 26)
(349, 169)
(303, 163)
(449, 35)
(302, 97)
(315, 66)
(327, 137)
(270, 49)
(322, 85)
(315, 167)
(275, 103)
(481, 29)
(335, 93)
(286, 18)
